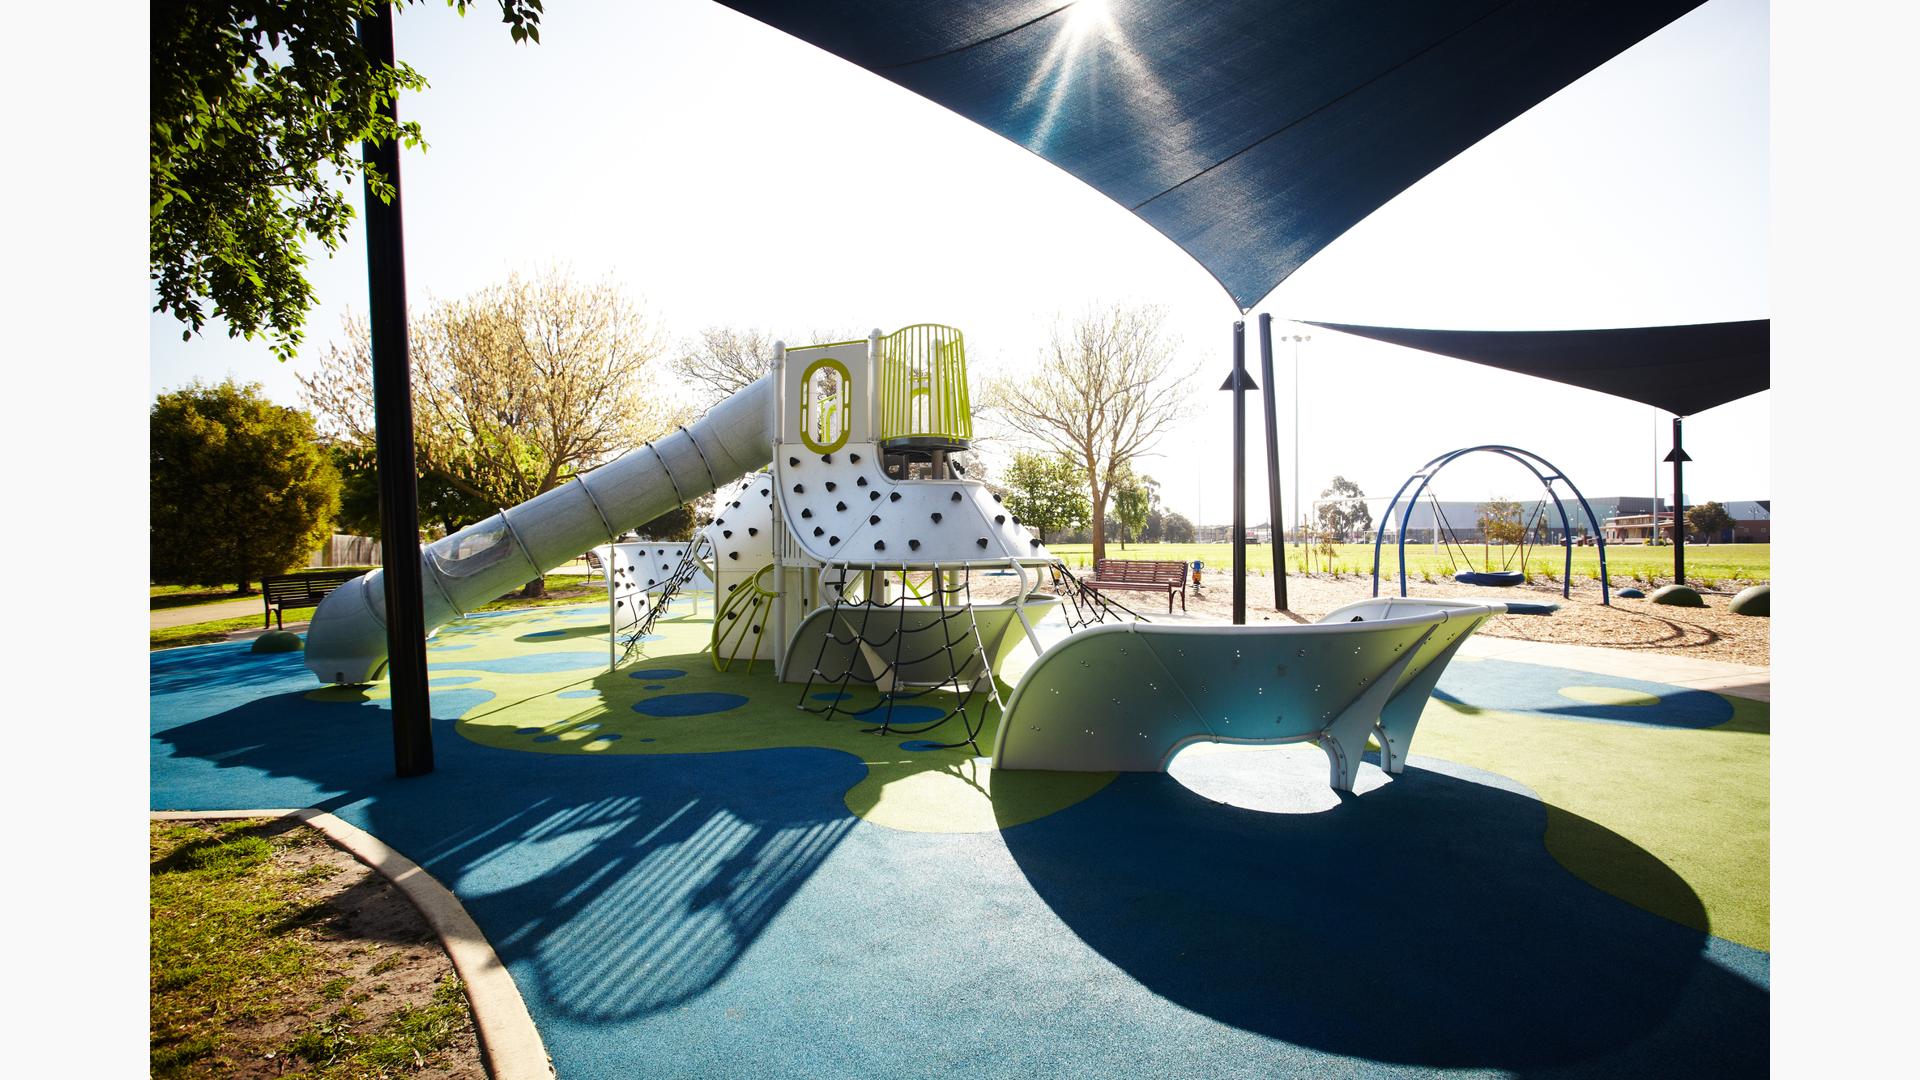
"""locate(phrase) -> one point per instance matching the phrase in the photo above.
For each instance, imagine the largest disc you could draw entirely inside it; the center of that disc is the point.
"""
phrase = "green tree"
(240, 486)
(1047, 493)
(1134, 497)
(1177, 529)
(1500, 522)
(1347, 511)
(258, 109)
(1709, 519)
(443, 507)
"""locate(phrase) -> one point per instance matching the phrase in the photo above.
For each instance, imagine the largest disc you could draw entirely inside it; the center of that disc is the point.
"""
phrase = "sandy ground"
(1709, 633)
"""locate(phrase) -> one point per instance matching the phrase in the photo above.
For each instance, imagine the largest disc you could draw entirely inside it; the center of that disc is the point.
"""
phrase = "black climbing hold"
(649, 581)
(913, 545)
(1035, 542)
(862, 481)
(756, 629)
(763, 491)
(839, 506)
(736, 504)
(1016, 519)
(794, 461)
(798, 490)
(873, 496)
(834, 541)
(982, 541)
(855, 458)
(719, 521)
(828, 458)
(879, 545)
(831, 485)
(751, 531)
(733, 554)
(806, 512)
(999, 519)
(817, 530)
(936, 517)
(874, 519)
(956, 496)
(726, 534)
(893, 496)
(996, 498)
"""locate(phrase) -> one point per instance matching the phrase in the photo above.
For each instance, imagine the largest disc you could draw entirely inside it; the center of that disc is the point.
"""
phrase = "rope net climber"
(896, 640)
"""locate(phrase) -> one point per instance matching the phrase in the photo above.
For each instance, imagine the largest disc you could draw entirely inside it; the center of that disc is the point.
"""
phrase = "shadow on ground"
(1422, 923)
(616, 887)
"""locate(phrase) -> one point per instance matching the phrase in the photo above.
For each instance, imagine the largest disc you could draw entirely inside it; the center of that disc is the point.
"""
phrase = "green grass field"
(1626, 564)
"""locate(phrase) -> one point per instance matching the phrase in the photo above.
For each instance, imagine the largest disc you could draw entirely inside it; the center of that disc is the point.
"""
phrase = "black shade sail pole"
(393, 437)
(1279, 517)
(1678, 457)
(1239, 382)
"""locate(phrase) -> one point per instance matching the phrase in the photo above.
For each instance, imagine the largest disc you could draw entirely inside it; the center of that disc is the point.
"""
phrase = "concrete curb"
(510, 1045)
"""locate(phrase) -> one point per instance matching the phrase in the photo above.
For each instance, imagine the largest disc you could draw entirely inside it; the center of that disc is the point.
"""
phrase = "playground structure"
(842, 550)
(1420, 483)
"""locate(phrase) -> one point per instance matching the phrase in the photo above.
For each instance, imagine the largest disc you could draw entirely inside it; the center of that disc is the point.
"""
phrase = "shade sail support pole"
(393, 436)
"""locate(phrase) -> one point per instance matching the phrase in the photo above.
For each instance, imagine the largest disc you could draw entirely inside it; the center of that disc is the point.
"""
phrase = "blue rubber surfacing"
(725, 915)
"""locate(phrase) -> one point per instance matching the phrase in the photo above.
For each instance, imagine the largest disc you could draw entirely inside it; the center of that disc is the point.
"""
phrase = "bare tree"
(725, 359)
(722, 360)
(1107, 387)
(515, 387)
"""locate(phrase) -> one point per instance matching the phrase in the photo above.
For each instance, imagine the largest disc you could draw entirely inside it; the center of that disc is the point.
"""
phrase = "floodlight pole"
(1678, 457)
(1239, 382)
(1276, 513)
(393, 436)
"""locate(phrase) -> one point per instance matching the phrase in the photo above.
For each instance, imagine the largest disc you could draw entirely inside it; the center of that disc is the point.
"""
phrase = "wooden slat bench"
(299, 590)
(1142, 575)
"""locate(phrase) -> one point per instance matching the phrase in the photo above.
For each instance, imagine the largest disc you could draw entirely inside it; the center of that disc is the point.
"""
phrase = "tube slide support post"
(1276, 514)
(393, 439)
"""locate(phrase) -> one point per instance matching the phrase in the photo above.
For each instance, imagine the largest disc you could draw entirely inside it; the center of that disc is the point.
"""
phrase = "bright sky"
(729, 174)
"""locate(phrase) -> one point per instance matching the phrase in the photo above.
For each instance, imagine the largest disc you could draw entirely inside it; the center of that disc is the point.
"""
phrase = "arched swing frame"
(1534, 463)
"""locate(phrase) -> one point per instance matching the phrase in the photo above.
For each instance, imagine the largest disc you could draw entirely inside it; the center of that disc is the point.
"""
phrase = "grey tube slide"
(347, 639)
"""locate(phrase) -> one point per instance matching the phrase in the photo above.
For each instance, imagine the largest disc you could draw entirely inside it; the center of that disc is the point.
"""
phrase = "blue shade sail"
(1682, 369)
(1251, 134)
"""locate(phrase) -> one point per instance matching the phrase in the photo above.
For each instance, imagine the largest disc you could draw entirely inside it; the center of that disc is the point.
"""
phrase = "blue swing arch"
(1534, 464)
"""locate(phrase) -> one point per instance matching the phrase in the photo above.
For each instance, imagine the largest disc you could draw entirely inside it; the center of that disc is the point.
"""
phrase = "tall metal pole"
(1277, 514)
(1239, 383)
(1679, 456)
(393, 437)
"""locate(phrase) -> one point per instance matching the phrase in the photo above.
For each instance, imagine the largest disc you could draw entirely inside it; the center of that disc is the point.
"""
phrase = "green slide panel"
(1129, 697)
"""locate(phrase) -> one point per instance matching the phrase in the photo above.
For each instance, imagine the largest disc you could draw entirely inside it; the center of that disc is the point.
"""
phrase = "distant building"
(1752, 524)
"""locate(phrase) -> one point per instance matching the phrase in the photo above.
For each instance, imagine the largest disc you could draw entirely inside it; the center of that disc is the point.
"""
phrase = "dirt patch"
(360, 977)
(1709, 633)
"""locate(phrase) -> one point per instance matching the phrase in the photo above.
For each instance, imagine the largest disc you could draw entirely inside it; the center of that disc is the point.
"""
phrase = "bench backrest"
(305, 586)
(1149, 571)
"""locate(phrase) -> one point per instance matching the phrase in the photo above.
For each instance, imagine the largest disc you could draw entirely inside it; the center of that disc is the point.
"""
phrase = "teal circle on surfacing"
(656, 674)
(902, 714)
(689, 704)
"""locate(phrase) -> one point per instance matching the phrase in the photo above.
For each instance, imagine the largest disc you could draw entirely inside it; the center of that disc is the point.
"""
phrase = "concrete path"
(197, 613)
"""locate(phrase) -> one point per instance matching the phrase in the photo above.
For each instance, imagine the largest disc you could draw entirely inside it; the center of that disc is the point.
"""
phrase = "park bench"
(1142, 575)
(299, 590)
